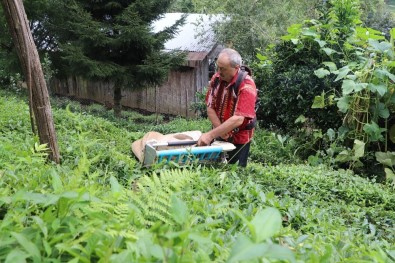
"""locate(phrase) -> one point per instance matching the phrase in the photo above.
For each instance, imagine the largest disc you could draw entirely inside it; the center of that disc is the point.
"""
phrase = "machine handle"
(175, 143)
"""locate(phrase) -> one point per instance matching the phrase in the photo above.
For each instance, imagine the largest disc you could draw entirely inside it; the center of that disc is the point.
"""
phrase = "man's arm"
(212, 116)
(224, 128)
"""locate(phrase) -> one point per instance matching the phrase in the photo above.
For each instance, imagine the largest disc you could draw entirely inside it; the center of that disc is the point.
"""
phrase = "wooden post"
(28, 56)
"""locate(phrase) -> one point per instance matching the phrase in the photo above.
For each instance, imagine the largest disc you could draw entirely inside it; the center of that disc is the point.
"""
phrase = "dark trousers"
(240, 154)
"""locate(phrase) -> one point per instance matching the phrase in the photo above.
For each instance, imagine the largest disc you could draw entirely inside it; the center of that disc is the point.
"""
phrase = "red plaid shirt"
(226, 104)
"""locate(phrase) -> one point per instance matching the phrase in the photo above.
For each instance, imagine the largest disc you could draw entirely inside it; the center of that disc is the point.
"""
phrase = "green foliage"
(273, 149)
(100, 205)
(365, 98)
(199, 106)
(351, 86)
(255, 24)
(287, 81)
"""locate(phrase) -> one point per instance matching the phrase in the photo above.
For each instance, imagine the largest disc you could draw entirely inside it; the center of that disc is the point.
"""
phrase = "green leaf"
(380, 46)
(343, 104)
(309, 32)
(16, 255)
(381, 89)
(319, 102)
(389, 174)
(179, 210)
(368, 33)
(322, 43)
(359, 148)
(386, 158)
(332, 66)
(280, 253)
(266, 224)
(360, 86)
(343, 156)
(42, 225)
(204, 242)
(348, 86)
(116, 188)
(300, 119)
(342, 73)
(374, 131)
(382, 73)
(331, 134)
(328, 51)
(245, 249)
(321, 73)
(29, 246)
(57, 184)
(383, 111)
(123, 256)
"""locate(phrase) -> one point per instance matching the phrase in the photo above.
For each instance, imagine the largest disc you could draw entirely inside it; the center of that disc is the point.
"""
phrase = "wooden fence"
(175, 97)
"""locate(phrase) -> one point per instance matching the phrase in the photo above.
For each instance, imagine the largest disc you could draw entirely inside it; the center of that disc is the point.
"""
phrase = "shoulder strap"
(240, 78)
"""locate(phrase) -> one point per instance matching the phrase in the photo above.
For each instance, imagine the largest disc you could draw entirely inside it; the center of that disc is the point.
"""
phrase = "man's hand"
(205, 139)
(225, 136)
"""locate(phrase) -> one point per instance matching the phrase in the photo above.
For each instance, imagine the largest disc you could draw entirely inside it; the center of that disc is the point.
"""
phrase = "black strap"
(240, 78)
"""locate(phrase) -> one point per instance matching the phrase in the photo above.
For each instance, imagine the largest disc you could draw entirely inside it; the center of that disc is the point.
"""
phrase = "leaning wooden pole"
(28, 56)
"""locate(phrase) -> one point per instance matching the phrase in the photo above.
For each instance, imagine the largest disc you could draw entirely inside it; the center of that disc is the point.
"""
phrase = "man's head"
(228, 63)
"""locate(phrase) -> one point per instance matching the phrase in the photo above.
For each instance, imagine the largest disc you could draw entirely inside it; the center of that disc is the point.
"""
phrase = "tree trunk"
(28, 56)
(117, 100)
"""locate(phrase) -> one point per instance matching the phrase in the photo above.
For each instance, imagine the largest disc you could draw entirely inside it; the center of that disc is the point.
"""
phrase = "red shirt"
(226, 103)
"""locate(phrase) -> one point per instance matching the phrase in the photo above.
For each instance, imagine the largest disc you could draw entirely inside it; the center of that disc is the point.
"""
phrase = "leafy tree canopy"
(114, 40)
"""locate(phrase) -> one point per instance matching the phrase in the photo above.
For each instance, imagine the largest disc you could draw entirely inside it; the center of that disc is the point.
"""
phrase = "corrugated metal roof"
(196, 35)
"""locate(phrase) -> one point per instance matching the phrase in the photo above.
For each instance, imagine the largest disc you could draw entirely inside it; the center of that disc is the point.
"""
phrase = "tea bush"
(99, 204)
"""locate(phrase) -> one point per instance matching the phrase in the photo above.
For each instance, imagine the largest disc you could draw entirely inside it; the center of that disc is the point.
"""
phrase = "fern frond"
(153, 198)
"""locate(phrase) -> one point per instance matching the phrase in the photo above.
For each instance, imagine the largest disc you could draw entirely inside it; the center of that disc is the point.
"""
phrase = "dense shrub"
(288, 88)
(273, 149)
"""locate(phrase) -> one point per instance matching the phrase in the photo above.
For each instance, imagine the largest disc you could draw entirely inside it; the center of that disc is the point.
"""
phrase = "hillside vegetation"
(100, 205)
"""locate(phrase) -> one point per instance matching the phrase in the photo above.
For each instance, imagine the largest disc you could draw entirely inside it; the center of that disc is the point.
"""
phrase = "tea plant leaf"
(42, 225)
(179, 210)
(203, 242)
(116, 188)
(16, 255)
(245, 249)
(280, 253)
(29, 246)
(266, 224)
(57, 184)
